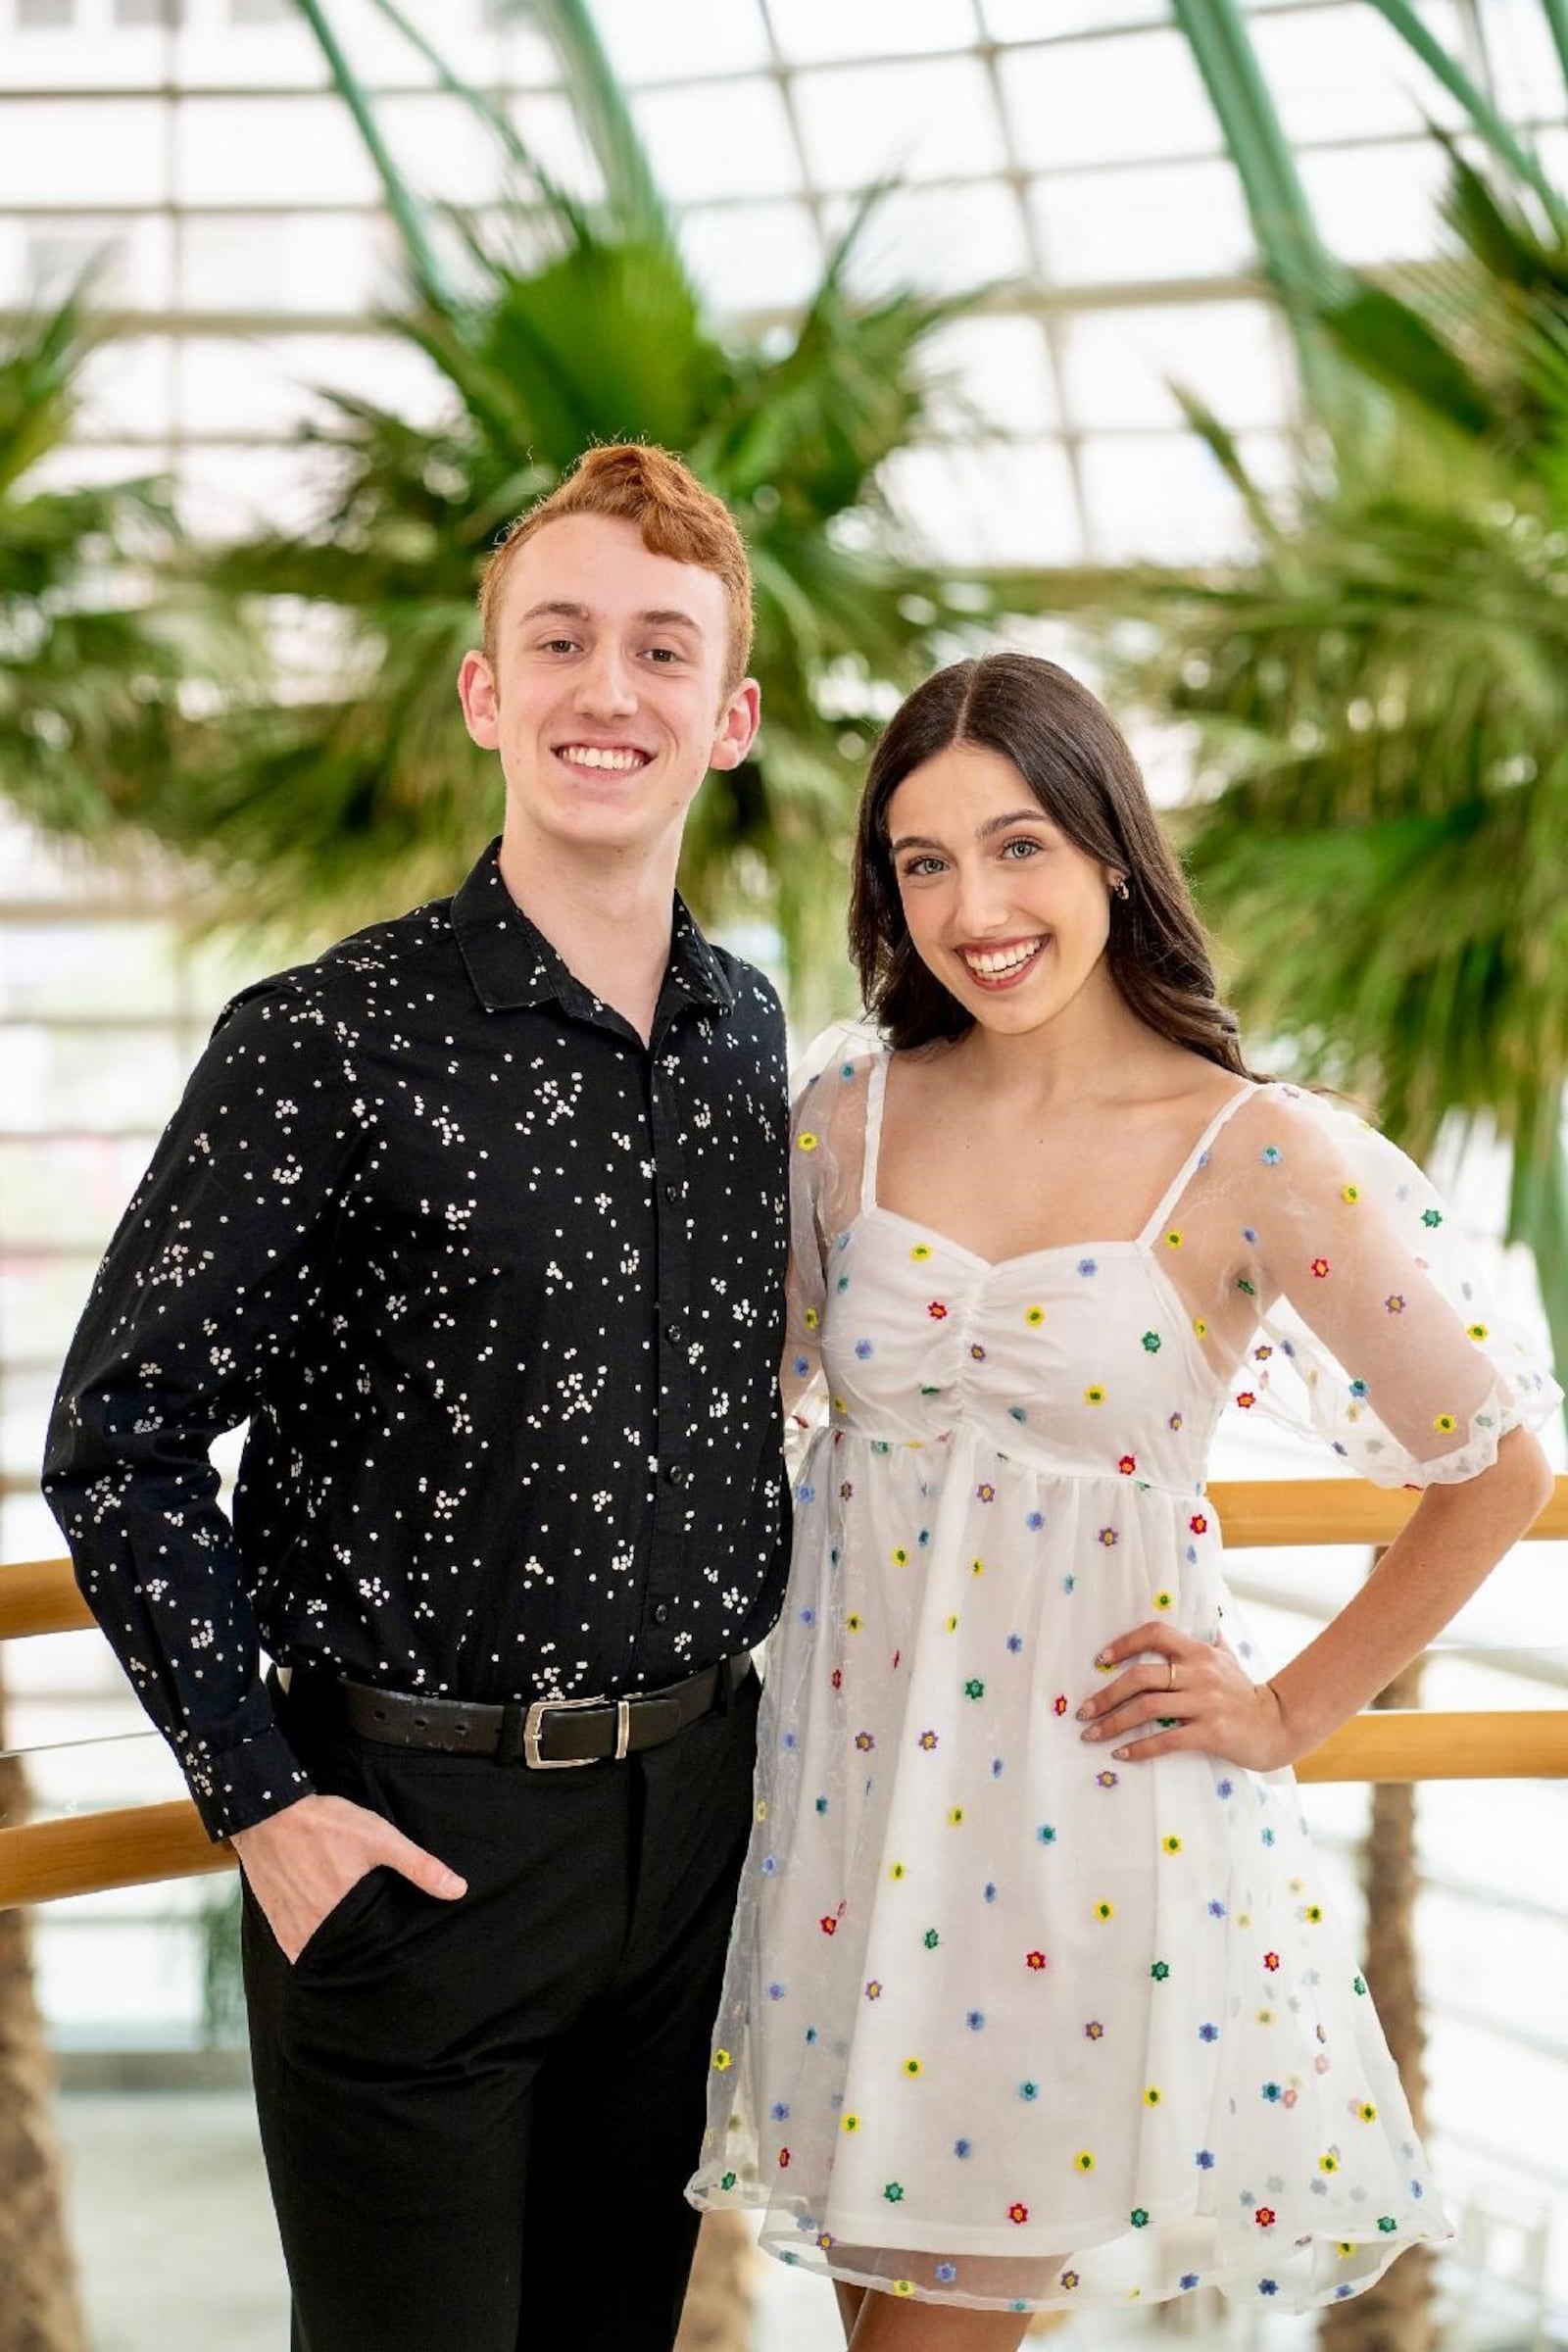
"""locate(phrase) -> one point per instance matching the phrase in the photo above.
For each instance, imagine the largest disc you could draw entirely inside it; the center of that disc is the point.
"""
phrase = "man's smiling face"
(607, 699)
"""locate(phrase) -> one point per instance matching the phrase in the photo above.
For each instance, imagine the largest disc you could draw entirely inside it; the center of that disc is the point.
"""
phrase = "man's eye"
(664, 654)
(558, 645)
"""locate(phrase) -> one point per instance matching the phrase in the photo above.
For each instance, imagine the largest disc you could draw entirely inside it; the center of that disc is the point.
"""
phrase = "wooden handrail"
(139, 1844)
(134, 1846)
(40, 1597)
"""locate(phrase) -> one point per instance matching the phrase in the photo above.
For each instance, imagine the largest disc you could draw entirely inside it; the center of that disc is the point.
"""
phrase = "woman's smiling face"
(1002, 908)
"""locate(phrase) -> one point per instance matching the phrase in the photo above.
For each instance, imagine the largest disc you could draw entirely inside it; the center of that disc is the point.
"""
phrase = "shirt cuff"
(245, 1785)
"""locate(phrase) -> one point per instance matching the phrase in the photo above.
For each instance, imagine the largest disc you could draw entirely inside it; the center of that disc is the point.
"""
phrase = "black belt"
(547, 1736)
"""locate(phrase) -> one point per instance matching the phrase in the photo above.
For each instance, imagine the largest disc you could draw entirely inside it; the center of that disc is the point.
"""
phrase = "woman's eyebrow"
(992, 825)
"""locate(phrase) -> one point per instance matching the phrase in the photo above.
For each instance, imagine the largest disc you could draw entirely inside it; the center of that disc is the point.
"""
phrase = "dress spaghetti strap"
(1192, 1162)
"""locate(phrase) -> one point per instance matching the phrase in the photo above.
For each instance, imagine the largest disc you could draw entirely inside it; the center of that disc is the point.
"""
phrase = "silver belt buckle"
(542, 1707)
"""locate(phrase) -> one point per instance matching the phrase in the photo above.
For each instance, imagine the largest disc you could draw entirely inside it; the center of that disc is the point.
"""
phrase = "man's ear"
(481, 702)
(738, 724)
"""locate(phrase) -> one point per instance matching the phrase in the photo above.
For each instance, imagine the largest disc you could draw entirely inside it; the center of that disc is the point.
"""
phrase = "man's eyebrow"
(992, 825)
(562, 608)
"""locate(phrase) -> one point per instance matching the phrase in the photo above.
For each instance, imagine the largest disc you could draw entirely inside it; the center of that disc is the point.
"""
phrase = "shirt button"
(673, 1192)
(662, 1612)
(675, 1332)
(676, 1472)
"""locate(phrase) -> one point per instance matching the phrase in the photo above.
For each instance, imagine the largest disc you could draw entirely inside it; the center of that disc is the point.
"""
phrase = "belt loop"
(508, 1739)
(725, 1691)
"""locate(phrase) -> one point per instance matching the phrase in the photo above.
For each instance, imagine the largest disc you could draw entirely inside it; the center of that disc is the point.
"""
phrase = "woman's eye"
(918, 867)
(1026, 847)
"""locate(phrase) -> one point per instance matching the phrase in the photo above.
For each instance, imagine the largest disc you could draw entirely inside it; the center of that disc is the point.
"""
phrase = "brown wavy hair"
(1070, 752)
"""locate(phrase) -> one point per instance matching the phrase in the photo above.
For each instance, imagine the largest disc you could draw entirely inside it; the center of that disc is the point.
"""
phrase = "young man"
(479, 1220)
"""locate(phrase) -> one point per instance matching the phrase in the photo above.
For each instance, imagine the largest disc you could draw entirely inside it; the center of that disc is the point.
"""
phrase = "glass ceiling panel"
(87, 152)
(1119, 364)
(1176, 221)
(233, 151)
(748, 257)
(1126, 100)
(706, 143)
(1342, 72)
(668, 44)
(300, 261)
(1525, 68)
(808, 29)
(941, 239)
(1049, 19)
(993, 373)
(989, 502)
(929, 121)
(1378, 204)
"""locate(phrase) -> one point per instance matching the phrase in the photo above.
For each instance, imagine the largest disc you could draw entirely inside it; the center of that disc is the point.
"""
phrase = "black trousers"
(479, 2117)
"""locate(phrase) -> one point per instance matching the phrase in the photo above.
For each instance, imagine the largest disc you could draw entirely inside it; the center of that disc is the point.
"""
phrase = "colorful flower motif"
(1058, 1706)
(1205, 2159)
(896, 1871)
(1445, 1424)
(962, 2148)
(828, 1925)
(1175, 1422)
(1105, 1911)
(1265, 2217)
(727, 2180)
(903, 2287)
(1174, 1239)
(1393, 1304)
(1270, 1156)
(1084, 2161)
(854, 1623)
(937, 1311)
(1312, 1913)
(1035, 1960)
(873, 1989)
(849, 2123)
(1153, 2095)
(783, 2160)
(1320, 1267)
(1475, 1331)
(931, 1940)
(1106, 1780)
(913, 2067)
(1271, 1961)
(1046, 1834)
(1018, 2214)
(985, 1493)
(808, 1143)
(1109, 1537)
(1028, 2091)
(1127, 1464)
(1272, 2092)
(1209, 2032)
(920, 1253)
(974, 1687)
(1139, 2217)
(955, 1817)
(1164, 1600)
(946, 2273)
(1364, 2111)
(927, 1741)
(1088, 1269)
(1094, 2030)
(864, 1741)
(1199, 1524)
(1201, 1327)
(1387, 2223)
(1159, 1970)
(1068, 2280)
(1329, 2161)
(1170, 1845)
(976, 1351)
(1094, 1394)
(1152, 1342)
(1245, 1399)
(1034, 1316)
(1432, 1217)
(723, 2062)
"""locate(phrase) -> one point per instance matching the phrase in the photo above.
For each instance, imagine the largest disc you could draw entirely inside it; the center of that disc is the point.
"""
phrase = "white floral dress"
(1007, 2024)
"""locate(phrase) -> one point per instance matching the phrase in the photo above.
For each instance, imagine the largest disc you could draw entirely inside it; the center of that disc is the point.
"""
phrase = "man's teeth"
(1003, 961)
(593, 755)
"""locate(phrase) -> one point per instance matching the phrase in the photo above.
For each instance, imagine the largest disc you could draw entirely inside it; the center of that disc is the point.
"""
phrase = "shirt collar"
(511, 963)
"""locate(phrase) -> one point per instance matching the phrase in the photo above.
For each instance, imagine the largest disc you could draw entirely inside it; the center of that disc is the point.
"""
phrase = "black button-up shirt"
(499, 1290)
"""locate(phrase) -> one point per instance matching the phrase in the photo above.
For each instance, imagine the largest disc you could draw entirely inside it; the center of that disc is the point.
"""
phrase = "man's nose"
(606, 682)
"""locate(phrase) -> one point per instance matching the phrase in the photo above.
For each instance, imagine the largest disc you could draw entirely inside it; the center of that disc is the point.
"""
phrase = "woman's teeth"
(1000, 961)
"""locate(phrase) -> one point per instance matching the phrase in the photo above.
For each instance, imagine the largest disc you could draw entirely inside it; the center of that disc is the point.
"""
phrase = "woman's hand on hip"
(1196, 1693)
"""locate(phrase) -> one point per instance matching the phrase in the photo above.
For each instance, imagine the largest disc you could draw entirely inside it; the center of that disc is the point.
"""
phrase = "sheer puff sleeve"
(1374, 1335)
(827, 1152)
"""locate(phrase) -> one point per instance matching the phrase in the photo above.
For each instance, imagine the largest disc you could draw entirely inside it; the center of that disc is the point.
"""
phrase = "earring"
(1120, 887)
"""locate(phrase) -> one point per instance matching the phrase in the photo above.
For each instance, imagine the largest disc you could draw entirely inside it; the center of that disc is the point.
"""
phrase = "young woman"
(1033, 2001)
